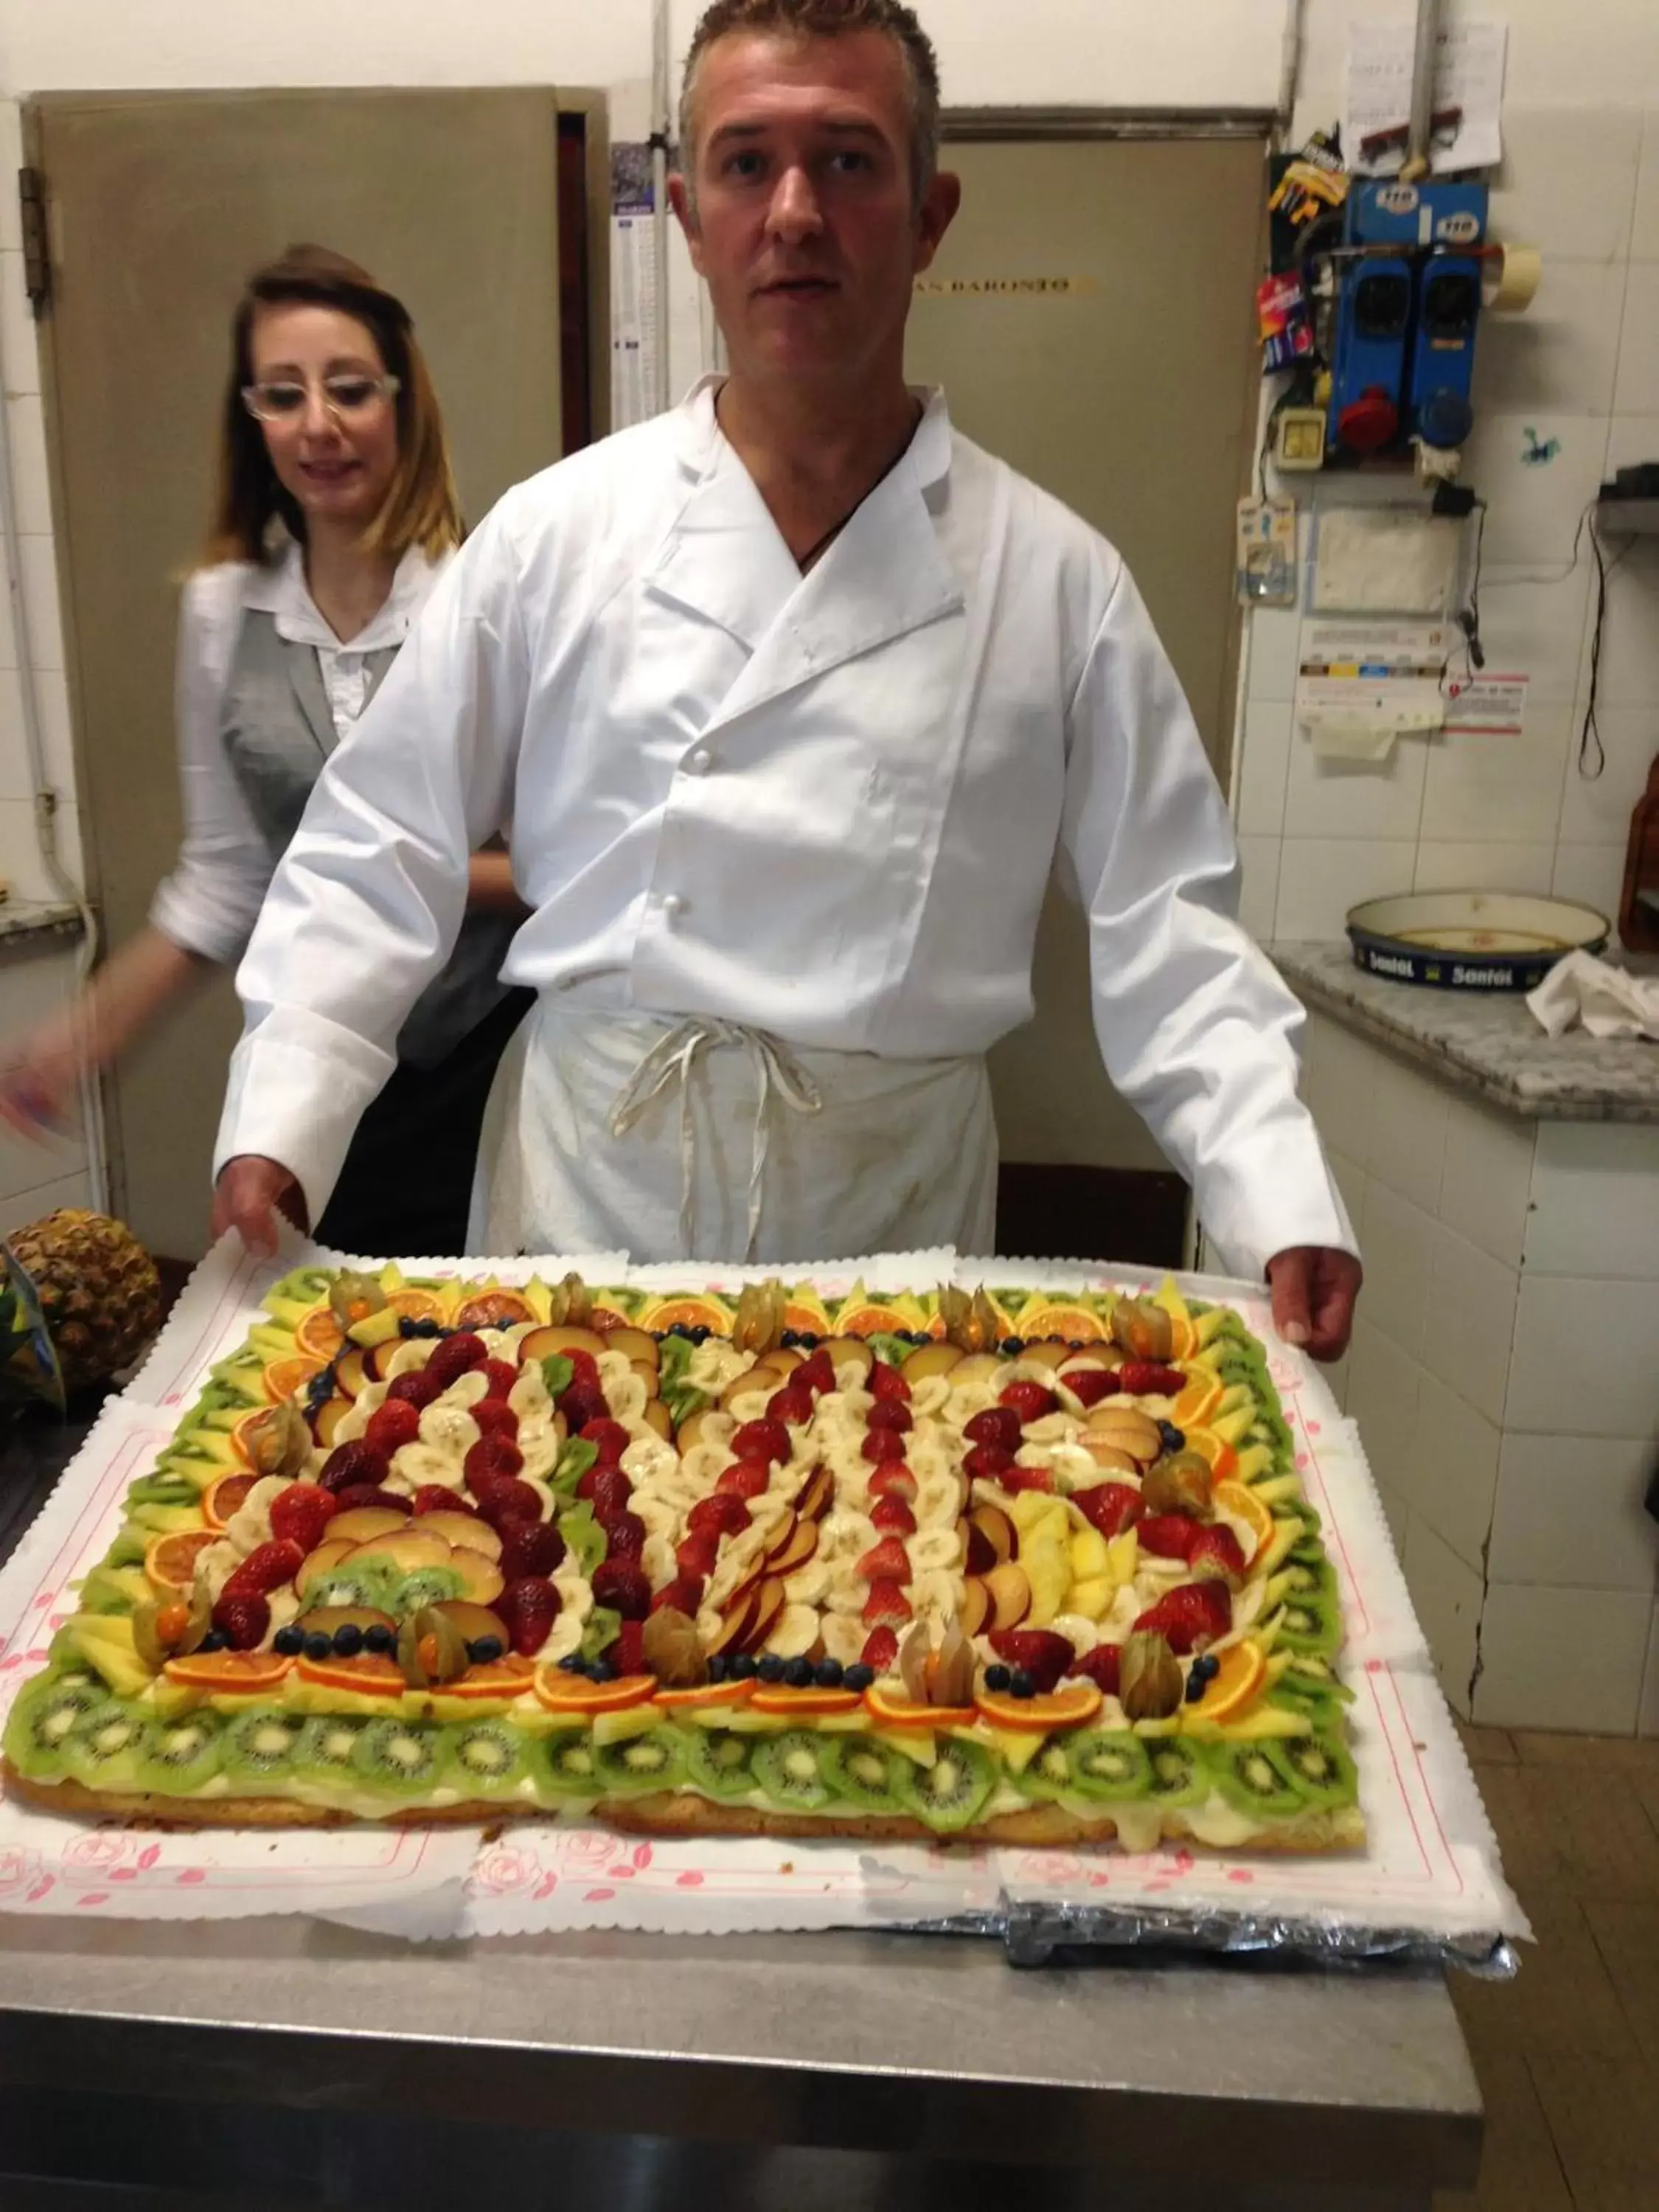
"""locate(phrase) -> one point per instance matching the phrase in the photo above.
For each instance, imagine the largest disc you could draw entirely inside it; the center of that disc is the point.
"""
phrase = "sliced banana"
(844, 1637)
(1080, 1631)
(933, 1599)
(539, 1442)
(940, 1501)
(575, 1596)
(713, 1365)
(847, 1592)
(933, 1550)
(795, 1633)
(562, 1639)
(842, 1533)
(420, 1464)
(448, 1429)
(466, 1390)
(250, 1525)
(614, 1368)
(627, 1399)
(528, 1397)
(929, 1396)
(661, 1516)
(216, 1563)
(411, 1355)
(648, 1459)
(657, 1558)
(809, 1585)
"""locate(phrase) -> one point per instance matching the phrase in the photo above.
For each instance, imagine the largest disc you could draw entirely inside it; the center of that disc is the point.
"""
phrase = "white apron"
(675, 1138)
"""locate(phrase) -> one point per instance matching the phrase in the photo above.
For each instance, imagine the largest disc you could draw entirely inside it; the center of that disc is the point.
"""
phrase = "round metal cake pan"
(1482, 941)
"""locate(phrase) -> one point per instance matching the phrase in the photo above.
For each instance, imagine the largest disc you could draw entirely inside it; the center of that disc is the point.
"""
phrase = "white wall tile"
(1592, 874)
(1486, 1186)
(1338, 1084)
(19, 347)
(1320, 879)
(1400, 1243)
(1567, 180)
(33, 985)
(1629, 674)
(1354, 1184)
(19, 1208)
(1632, 438)
(51, 702)
(1275, 651)
(1445, 866)
(1452, 1469)
(30, 483)
(1637, 390)
(1408, 1140)
(1569, 1659)
(38, 558)
(1266, 753)
(1586, 1357)
(1596, 1203)
(1570, 1510)
(1535, 504)
(1644, 232)
(1647, 1721)
(1258, 900)
(1596, 811)
(1469, 1324)
(1559, 357)
(11, 160)
(1532, 621)
(1383, 1385)
(1446, 1595)
(1354, 798)
(20, 853)
(26, 1163)
(15, 781)
(1504, 790)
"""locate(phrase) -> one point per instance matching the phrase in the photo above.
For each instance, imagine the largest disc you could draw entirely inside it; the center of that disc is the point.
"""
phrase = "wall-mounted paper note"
(1384, 560)
(1362, 684)
(1468, 75)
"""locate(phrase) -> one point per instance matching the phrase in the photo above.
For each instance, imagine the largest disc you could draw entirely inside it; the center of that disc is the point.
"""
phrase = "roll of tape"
(1517, 269)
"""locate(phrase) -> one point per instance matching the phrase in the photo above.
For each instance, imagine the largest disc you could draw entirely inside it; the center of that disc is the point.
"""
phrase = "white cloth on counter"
(823, 807)
(211, 902)
(1609, 1001)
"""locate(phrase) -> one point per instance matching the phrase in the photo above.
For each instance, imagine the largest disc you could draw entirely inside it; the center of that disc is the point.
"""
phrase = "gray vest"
(277, 732)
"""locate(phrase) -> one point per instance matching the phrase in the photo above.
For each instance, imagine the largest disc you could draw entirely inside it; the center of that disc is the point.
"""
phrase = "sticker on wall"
(1007, 288)
(1486, 705)
(1537, 450)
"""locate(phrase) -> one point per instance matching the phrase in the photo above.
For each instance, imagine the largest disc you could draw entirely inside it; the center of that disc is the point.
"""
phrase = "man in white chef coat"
(791, 696)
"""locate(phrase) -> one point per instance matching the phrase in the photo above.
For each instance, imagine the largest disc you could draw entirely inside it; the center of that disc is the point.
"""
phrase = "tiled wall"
(35, 980)
(1581, 369)
(1504, 1375)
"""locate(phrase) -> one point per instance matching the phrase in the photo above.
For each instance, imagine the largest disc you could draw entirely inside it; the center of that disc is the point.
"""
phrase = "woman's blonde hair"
(421, 507)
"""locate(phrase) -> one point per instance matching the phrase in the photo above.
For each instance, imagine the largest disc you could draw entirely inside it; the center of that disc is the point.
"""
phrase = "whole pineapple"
(98, 1291)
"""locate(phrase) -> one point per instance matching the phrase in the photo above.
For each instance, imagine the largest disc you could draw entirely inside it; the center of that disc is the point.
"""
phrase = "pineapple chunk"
(1029, 1508)
(1090, 1555)
(1015, 1747)
(105, 1640)
(1125, 1551)
(1093, 1597)
(1048, 1570)
(1254, 1460)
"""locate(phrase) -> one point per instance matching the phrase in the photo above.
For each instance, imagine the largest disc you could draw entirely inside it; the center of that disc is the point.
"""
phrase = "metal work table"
(278, 2062)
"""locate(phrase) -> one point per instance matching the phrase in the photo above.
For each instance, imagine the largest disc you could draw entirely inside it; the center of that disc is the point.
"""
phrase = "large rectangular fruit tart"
(1010, 1568)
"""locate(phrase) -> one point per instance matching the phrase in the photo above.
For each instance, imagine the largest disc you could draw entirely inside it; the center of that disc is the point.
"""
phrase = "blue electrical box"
(1381, 211)
(1368, 368)
(1408, 305)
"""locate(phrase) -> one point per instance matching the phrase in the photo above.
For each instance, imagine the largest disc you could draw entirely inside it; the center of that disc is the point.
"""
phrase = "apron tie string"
(778, 1074)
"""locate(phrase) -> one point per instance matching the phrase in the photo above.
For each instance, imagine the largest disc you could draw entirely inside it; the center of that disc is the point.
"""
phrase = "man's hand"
(248, 1196)
(1314, 1289)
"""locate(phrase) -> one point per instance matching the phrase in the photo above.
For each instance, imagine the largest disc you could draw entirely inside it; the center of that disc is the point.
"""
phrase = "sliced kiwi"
(1179, 1775)
(1314, 1703)
(1302, 1577)
(1256, 1777)
(564, 1765)
(655, 1760)
(347, 1584)
(860, 1772)
(259, 1744)
(1048, 1775)
(717, 1764)
(1322, 1770)
(1309, 1623)
(949, 1794)
(102, 1749)
(424, 1586)
(180, 1755)
(327, 1747)
(486, 1757)
(785, 1767)
(44, 1718)
(398, 1755)
(1110, 1764)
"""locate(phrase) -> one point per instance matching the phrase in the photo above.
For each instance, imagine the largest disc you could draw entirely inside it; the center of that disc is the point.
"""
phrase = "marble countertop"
(1490, 1046)
(24, 920)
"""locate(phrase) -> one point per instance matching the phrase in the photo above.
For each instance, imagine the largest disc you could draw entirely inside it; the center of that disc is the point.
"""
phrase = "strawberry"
(791, 1405)
(893, 1517)
(1150, 1378)
(530, 1547)
(886, 1604)
(744, 1478)
(684, 1594)
(359, 1493)
(694, 1555)
(1028, 1478)
(1110, 1507)
(1190, 1616)
(627, 1652)
(886, 1562)
(608, 1437)
(880, 1651)
(391, 1425)
(417, 1389)
(1166, 1536)
(997, 1426)
(1218, 1553)
(887, 1386)
(766, 1440)
(1044, 1656)
(432, 1497)
(987, 1462)
(502, 1375)
(266, 1567)
(244, 1616)
(509, 1499)
(581, 1403)
(1089, 1385)
(818, 1373)
(494, 1417)
(1029, 1400)
(492, 1459)
(891, 1415)
(722, 1514)
(349, 1464)
(528, 1608)
(584, 1369)
(302, 1512)
(456, 1356)
(881, 1444)
(1099, 1666)
(609, 1489)
(624, 1536)
(622, 1586)
(894, 1480)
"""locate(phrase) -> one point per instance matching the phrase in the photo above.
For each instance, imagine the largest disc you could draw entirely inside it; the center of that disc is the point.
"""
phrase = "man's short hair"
(830, 19)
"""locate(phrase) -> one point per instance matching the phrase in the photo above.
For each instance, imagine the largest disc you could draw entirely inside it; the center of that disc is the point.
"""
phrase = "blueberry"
(996, 1678)
(601, 1670)
(215, 1640)
(717, 1668)
(806, 1340)
(290, 1641)
(858, 1678)
(574, 1664)
(790, 1338)
(828, 1673)
(679, 1328)
(483, 1649)
(348, 1640)
(771, 1668)
(1020, 1684)
(797, 1674)
(319, 1646)
(700, 1334)
(1196, 1684)
(744, 1667)
(379, 1638)
(1014, 1345)
(1210, 1663)
(1174, 1439)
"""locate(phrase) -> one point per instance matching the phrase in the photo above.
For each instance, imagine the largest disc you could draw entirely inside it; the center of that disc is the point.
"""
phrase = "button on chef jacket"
(823, 807)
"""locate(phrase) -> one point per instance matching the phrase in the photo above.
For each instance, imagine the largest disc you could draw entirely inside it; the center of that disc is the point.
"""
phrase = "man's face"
(804, 224)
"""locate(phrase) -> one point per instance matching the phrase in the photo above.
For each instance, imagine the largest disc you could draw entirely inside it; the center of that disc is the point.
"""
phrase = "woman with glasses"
(335, 513)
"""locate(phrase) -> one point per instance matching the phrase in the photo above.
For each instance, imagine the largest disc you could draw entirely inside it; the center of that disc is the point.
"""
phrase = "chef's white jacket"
(823, 807)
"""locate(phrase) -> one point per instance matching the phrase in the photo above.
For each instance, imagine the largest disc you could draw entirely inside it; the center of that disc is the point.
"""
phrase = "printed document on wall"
(636, 313)
(1468, 75)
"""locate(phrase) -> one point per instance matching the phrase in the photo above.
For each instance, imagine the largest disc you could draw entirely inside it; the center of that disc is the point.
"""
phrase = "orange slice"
(225, 1497)
(605, 1318)
(709, 1694)
(241, 1436)
(319, 1333)
(1222, 1458)
(1072, 1324)
(1237, 1498)
(893, 1710)
(1075, 1706)
(286, 1378)
(493, 1678)
(574, 1693)
(1242, 1670)
(494, 1310)
(807, 1315)
(806, 1703)
(419, 1305)
(1196, 1402)
(229, 1673)
(686, 1313)
(873, 1320)
(371, 1676)
(170, 1561)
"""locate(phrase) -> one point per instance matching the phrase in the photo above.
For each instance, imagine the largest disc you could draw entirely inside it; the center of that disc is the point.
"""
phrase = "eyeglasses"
(348, 399)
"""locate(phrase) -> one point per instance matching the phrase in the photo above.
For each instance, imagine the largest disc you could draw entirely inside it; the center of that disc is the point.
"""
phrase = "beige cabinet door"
(1090, 318)
(159, 206)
